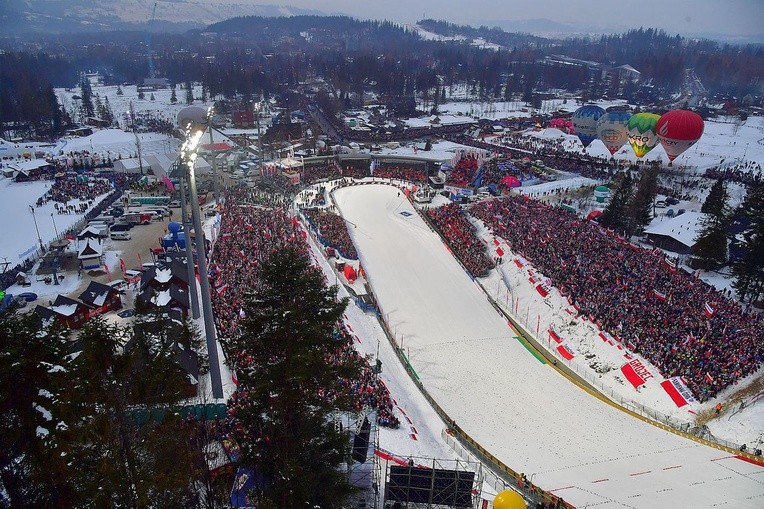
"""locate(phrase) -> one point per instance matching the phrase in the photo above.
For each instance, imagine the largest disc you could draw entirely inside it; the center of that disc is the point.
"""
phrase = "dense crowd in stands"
(368, 390)
(460, 235)
(464, 171)
(614, 282)
(310, 174)
(332, 231)
(411, 173)
(235, 263)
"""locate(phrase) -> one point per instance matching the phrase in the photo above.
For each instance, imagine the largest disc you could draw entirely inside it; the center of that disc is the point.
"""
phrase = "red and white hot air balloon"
(678, 130)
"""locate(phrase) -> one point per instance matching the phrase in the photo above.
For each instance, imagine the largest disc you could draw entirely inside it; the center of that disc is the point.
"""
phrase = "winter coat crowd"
(682, 325)
(332, 231)
(460, 235)
(249, 235)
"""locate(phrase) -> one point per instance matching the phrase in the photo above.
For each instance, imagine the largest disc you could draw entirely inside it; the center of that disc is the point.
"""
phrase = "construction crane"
(148, 41)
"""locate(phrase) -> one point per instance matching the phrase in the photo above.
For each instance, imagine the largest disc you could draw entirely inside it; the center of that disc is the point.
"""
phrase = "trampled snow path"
(524, 412)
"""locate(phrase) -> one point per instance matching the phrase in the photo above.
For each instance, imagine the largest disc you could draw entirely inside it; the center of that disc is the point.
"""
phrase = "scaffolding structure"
(432, 483)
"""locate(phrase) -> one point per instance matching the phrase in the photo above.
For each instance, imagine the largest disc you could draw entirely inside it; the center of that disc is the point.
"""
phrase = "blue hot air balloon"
(585, 122)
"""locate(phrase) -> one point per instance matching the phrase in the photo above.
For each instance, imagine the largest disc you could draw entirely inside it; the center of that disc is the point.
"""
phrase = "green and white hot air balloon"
(642, 137)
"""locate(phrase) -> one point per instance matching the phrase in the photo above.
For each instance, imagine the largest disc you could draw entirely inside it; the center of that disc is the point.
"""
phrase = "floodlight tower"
(188, 155)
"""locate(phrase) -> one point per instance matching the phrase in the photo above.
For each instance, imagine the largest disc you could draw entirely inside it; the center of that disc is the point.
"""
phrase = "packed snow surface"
(524, 412)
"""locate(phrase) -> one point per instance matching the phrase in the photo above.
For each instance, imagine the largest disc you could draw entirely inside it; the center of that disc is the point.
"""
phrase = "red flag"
(108, 273)
(709, 310)
(168, 183)
(222, 289)
(140, 260)
(122, 265)
(659, 295)
(709, 378)
(234, 378)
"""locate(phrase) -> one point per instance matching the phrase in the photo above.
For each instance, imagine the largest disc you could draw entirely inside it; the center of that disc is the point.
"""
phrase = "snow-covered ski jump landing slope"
(524, 412)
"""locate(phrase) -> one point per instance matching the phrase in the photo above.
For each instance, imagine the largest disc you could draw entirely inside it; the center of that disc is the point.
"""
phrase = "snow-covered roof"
(162, 298)
(684, 228)
(64, 306)
(27, 166)
(96, 293)
(91, 249)
(163, 275)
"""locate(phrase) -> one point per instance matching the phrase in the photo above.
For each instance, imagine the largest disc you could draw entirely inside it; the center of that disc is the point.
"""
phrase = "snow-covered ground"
(523, 411)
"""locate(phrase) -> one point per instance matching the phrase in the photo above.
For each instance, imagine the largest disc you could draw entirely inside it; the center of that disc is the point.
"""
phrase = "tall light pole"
(189, 248)
(54, 224)
(188, 155)
(34, 218)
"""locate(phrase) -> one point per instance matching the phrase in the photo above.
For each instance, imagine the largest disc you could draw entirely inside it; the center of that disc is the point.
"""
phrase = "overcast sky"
(741, 17)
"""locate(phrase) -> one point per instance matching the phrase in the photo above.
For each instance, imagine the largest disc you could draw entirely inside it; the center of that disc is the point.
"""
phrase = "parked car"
(126, 313)
(120, 235)
(27, 296)
(672, 201)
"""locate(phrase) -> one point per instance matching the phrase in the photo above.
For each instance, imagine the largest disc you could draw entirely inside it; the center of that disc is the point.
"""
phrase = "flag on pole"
(234, 378)
(659, 295)
(222, 289)
(108, 273)
(708, 310)
(709, 378)
(140, 260)
(122, 266)
(168, 183)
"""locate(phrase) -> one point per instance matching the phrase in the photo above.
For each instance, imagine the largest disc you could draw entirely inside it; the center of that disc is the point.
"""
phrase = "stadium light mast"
(188, 156)
(34, 218)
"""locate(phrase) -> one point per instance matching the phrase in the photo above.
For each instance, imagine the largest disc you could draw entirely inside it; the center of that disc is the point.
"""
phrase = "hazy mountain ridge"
(20, 16)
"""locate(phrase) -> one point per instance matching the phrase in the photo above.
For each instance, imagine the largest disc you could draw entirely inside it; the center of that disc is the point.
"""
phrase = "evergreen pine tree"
(615, 215)
(285, 381)
(173, 96)
(123, 460)
(141, 95)
(30, 382)
(710, 247)
(716, 201)
(86, 93)
(151, 97)
(749, 270)
(119, 90)
(108, 112)
(189, 93)
(204, 93)
(641, 206)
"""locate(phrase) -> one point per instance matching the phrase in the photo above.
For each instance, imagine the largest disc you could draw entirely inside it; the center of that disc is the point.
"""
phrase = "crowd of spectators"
(748, 173)
(64, 190)
(464, 171)
(614, 283)
(332, 231)
(411, 173)
(237, 257)
(368, 390)
(460, 235)
(310, 174)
